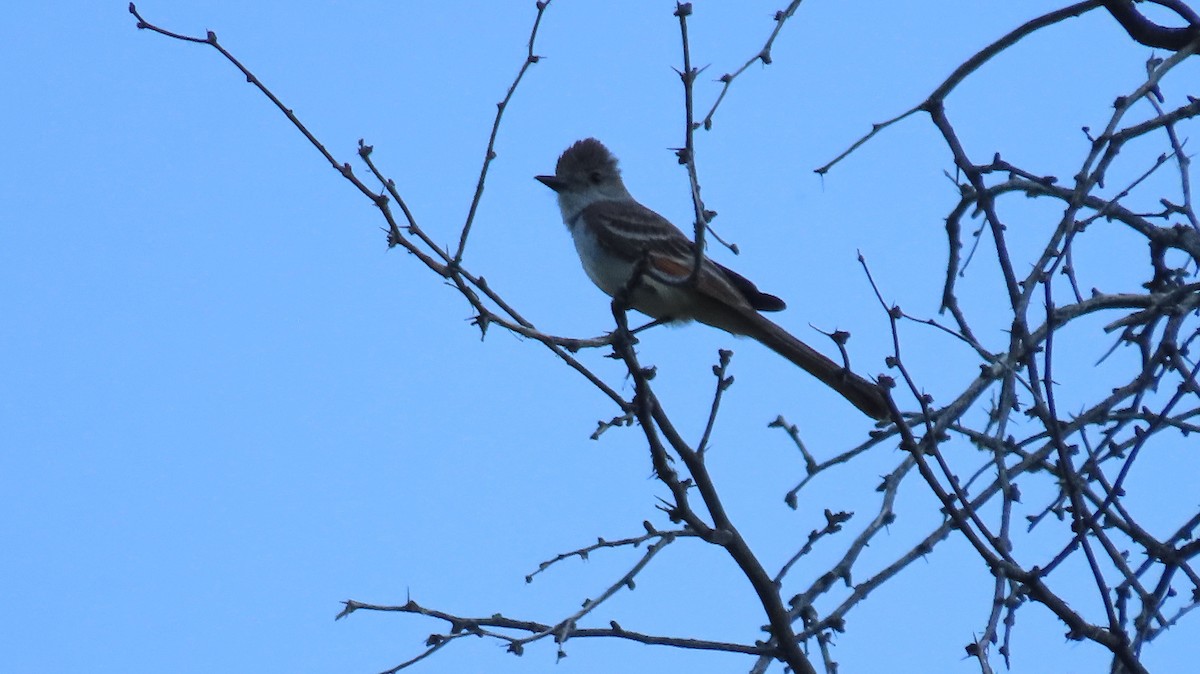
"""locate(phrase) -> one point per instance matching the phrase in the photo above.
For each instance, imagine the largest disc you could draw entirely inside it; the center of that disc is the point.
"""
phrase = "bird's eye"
(595, 177)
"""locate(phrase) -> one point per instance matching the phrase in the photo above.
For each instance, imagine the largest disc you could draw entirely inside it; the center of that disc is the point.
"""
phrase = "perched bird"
(614, 234)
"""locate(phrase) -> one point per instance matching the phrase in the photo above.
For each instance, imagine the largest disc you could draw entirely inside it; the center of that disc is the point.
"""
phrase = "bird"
(616, 237)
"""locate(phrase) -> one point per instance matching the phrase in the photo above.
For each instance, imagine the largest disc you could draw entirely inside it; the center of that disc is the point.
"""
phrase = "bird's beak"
(552, 182)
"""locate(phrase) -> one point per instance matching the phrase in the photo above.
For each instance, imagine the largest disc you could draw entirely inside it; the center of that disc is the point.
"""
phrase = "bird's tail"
(861, 393)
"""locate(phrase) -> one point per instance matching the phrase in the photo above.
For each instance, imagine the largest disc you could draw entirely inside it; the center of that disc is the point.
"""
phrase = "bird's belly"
(611, 274)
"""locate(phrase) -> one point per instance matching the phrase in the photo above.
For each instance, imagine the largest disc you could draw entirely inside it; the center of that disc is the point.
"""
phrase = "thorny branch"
(417, 242)
(1088, 492)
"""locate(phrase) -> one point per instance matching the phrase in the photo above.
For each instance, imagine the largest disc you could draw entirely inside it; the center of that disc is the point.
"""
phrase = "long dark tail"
(860, 392)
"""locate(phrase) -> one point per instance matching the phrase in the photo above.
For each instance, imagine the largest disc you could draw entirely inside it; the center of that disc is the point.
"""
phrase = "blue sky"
(226, 406)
